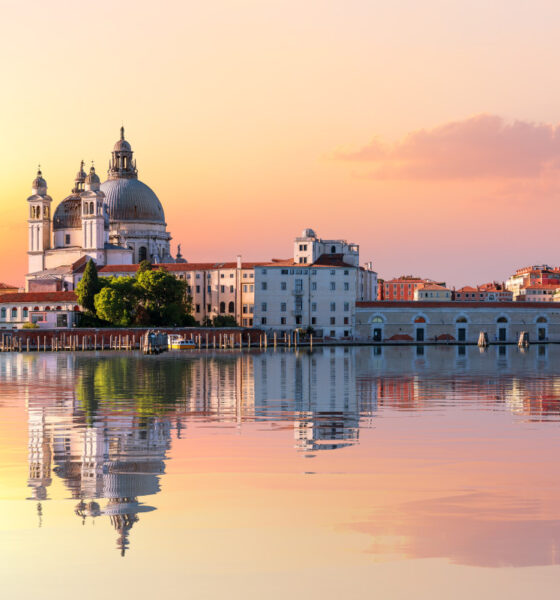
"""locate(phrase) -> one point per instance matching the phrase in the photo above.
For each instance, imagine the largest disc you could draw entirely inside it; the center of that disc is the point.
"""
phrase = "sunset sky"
(427, 132)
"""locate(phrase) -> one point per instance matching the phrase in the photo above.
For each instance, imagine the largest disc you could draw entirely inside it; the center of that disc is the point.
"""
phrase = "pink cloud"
(480, 147)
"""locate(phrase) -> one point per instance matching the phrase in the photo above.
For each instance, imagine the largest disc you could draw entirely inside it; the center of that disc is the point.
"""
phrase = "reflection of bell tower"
(39, 454)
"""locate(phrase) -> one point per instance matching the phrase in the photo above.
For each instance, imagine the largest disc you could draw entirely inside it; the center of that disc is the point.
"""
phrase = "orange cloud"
(480, 147)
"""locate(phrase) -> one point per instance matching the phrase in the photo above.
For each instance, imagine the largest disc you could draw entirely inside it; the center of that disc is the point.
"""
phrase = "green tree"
(163, 296)
(145, 265)
(88, 286)
(224, 321)
(117, 301)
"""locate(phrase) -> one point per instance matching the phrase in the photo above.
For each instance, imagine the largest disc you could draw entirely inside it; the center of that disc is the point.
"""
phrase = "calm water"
(383, 473)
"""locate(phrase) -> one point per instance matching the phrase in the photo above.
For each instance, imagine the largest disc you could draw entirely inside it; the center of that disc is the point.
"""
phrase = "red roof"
(182, 267)
(433, 286)
(419, 305)
(5, 286)
(39, 297)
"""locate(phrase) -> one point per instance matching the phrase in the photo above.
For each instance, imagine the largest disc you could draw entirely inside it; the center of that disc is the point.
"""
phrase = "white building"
(317, 289)
(48, 310)
(118, 222)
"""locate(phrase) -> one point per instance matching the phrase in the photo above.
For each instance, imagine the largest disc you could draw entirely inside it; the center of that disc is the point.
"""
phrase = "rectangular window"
(333, 306)
(333, 285)
(222, 289)
(251, 308)
(209, 288)
(333, 272)
(263, 320)
(198, 289)
(313, 306)
(346, 271)
(282, 320)
(299, 285)
(209, 308)
(263, 307)
(222, 275)
(283, 307)
(244, 288)
(263, 271)
(346, 286)
(346, 320)
(313, 320)
(198, 275)
(231, 289)
(313, 285)
(245, 309)
(284, 271)
(251, 288)
(346, 306)
(333, 321)
(198, 308)
(67, 238)
(298, 320)
(313, 271)
(283, 285)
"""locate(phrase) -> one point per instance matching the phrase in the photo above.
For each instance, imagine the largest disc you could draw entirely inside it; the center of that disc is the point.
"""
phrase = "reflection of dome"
(68, 214)
(131, 200)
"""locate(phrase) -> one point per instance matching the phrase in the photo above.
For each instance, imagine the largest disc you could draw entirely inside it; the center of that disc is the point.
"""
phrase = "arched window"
(542, 320)
(25, 312)
(419, 320)
(2, 313)
(222, 307)
(76, 308)
(333, 249)
(231, 307)
(47, 307)
(461, 320)
(377, 320)
(502, 320)
(36, 308)
(91, 210)
(142, 253)
(59, 308)
(14, 313)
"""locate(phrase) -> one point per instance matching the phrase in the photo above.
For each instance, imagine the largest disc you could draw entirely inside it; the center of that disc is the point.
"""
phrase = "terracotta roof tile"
(38, 297)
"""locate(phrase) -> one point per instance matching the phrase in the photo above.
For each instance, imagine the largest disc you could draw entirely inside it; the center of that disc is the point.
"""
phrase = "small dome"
(309, 233)
(122, 145)
(81, 174)
(93, 177)
(39, 182)
(132, 200)
(68, 214)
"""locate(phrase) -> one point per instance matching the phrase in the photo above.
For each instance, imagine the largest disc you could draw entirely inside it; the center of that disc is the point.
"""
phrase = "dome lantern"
(122, 166)
(39, 185)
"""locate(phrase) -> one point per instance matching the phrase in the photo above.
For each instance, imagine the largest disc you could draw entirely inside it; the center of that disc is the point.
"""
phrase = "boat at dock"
(177, 342)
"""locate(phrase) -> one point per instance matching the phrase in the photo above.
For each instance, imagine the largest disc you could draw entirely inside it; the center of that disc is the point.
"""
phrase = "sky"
(427, 132)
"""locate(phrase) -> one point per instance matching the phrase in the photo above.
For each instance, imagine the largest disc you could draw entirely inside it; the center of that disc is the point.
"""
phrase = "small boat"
(177, 342)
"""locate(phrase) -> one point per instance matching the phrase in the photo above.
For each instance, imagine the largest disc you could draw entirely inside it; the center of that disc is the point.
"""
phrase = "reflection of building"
(114, 458)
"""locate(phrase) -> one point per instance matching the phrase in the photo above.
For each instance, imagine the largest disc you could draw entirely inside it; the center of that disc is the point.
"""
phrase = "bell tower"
(39, 224)
(93, 218)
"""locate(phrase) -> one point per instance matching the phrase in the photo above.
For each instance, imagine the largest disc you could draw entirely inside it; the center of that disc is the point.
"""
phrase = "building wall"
(385, 321)
(293, 297)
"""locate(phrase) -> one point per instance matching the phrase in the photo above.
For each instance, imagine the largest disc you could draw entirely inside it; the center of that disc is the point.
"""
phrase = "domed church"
(118, 222)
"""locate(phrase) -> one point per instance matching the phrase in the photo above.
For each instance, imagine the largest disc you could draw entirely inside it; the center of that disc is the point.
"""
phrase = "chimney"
(239, 261)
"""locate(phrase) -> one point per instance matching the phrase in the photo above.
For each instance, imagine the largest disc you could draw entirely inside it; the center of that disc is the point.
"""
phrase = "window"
(313, 306)
(2, 313)
(197, 308)
(245, 309)
(333, 285)
(333, 272)
(231, 307)
(263, 320)
(25, 312)
(263, 271)
(67, 240)
(346, 306)
(231, 275)
(198, 275)
(251, 288)
(263, 307)
(231, 289)
(283, 307)
(298, 320)
(142, 252)
(299, 285)
(502, 320)
(333, 306)
(313, 320)
(283, 285)
(245, 288)
(284, 271)
(346, 273)
(333, 320)
(209, 308)
(222, 307)
(222, 275)
(346, 286)
(377, 320)
(313, 285)
(209, 288)
(198, 288)
(14, 313)
(419, 320)
(541, 320)
(263, 285)
(313, 271)
(222, 289)
(333, 249)
(346, 321)
(282, 320)
(461, 320)
(332, 334)
(244, 275)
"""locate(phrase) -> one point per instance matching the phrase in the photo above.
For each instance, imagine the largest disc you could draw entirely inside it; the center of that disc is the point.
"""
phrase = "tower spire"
(122, 132)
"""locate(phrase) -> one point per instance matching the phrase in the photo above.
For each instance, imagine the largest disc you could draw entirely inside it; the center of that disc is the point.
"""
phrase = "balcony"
(298, 292)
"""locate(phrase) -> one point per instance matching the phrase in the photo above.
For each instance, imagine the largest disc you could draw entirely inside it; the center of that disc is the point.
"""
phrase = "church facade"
(118, 222)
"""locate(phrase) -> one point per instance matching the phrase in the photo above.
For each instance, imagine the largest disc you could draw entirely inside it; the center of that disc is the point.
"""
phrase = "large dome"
(68, 214)
(132, 200)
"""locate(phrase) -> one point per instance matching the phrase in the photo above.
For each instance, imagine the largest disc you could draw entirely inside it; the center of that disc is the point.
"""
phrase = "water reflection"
(103, 427)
